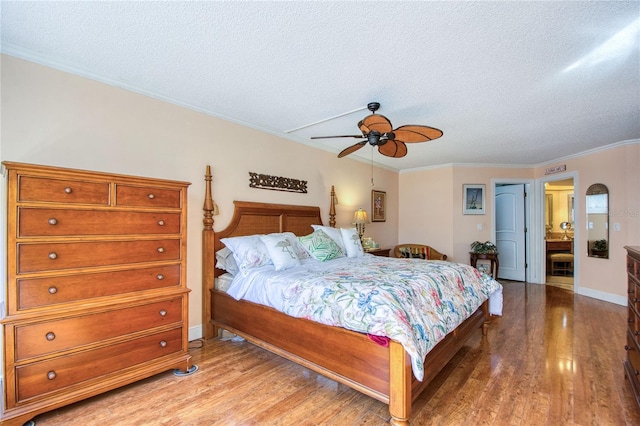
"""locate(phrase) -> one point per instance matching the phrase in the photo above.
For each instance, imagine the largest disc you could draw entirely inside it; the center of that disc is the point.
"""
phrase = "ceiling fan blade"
(376, 122)
(351, 149)
(393, 148)
(340, 136)
(415, 133)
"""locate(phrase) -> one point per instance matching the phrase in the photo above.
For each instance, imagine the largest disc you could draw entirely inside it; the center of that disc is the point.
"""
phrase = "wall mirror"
(598, 221)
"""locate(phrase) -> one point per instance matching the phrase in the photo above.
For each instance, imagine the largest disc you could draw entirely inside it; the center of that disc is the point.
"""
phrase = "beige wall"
(618, 169)
(423, 219)
(426, 209)
(431, 207)
(55, 118)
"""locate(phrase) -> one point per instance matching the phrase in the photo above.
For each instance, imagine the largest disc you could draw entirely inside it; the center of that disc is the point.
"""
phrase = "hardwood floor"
(553, 358)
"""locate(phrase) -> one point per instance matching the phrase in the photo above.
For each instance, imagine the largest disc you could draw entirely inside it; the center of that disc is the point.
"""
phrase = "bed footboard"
(383, 373)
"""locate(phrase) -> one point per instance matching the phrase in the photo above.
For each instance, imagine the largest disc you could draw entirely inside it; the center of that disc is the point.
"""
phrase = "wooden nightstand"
(379, 252)
(491, 257)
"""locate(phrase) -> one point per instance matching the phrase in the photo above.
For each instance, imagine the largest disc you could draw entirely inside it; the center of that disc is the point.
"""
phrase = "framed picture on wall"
(378, 206)
(473, 199)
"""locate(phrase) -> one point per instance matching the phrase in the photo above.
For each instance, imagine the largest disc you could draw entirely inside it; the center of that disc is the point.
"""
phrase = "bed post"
(487, 317)
(332, 209)
(208, 329)
(400, 375)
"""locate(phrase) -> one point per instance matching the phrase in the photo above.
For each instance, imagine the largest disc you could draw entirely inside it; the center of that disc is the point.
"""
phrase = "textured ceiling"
(514, 83)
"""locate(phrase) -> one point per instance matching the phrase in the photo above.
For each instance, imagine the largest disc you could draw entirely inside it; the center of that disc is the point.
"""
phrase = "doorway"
(559, 207)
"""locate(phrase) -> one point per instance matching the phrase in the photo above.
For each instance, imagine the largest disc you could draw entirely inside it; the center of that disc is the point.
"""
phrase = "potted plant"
(600, 248)
(484, 248)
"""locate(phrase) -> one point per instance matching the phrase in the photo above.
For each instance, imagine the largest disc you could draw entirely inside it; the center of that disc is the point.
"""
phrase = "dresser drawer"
(38, 292)
(633, 321)
(40, 378)
(139, 196)
(64, 334)
(34, 257)
(632, 353)
(62, 191)
(35, 222)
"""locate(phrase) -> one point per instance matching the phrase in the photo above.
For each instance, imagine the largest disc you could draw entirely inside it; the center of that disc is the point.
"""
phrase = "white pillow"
(334, 234)
(226, 261)
(223, 282)
(297, 246)
(249, 252)
(352, 242)
(281, 250)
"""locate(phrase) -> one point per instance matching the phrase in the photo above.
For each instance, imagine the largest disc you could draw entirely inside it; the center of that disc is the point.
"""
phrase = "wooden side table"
(379, 252)
(491, 257)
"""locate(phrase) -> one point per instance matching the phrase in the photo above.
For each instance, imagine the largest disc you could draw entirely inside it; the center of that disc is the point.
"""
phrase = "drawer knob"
(627, 348)
(163, 313)
(160, 277)
(51, 375)
(160, 249)
(53, 255)
(151, 196)
(163, 343)
(53, 221)
(68, 190)
(161, 222)
(50, 336)
(53, 290)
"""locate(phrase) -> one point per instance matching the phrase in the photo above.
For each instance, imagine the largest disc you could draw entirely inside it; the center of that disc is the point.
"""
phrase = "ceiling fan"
(377, 131)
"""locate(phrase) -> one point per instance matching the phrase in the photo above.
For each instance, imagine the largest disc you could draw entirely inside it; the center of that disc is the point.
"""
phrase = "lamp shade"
(360, 216)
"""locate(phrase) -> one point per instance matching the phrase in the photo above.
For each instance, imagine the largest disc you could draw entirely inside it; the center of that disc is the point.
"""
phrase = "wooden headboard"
(249, 218)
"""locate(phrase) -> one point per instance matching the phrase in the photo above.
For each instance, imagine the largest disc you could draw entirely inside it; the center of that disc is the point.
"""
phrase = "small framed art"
(378, 206)
(473, 199)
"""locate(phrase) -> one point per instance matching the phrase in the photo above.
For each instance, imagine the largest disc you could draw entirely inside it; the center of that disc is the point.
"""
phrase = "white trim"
(539, 240)
(602, 295)
(195, 332)
(527, 166)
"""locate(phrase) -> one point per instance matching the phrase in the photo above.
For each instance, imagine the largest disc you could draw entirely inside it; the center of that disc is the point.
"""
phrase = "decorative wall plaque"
(277, 183)
(556, 169)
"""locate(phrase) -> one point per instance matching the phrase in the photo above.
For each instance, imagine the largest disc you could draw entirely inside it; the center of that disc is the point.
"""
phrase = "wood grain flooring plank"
(552, 358)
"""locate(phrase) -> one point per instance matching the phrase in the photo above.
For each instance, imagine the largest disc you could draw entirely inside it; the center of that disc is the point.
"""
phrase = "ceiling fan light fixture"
(373, 137)
(377, 131)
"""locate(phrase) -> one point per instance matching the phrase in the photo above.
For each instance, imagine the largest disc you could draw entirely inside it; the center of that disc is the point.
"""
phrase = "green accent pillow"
(320, 246)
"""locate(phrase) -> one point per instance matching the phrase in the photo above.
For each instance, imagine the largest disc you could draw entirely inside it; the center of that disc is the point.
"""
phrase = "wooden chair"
(419, 251)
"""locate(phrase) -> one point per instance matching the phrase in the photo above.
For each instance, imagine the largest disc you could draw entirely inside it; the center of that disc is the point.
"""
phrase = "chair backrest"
(419, 251)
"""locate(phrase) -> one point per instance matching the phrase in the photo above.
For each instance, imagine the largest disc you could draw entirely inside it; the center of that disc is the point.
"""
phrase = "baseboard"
(602, 295)
(195, 332)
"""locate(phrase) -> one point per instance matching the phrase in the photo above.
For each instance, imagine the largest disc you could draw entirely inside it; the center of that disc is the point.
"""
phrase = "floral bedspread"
(412, 301)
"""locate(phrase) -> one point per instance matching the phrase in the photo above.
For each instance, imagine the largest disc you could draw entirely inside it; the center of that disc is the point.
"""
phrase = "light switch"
(590, 225)
(479, 227)
(616, 227)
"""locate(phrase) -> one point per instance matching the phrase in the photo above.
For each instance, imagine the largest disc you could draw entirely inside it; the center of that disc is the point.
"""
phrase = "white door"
(510, 232)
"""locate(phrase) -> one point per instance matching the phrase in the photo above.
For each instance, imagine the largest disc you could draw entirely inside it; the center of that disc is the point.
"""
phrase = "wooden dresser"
(96, 293)
(632, 361)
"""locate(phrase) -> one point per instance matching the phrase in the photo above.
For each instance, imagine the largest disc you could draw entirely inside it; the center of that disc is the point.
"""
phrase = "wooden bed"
(348, 357)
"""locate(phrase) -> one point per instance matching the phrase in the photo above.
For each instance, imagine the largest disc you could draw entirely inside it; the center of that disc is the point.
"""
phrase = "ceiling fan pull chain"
(372, 166)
